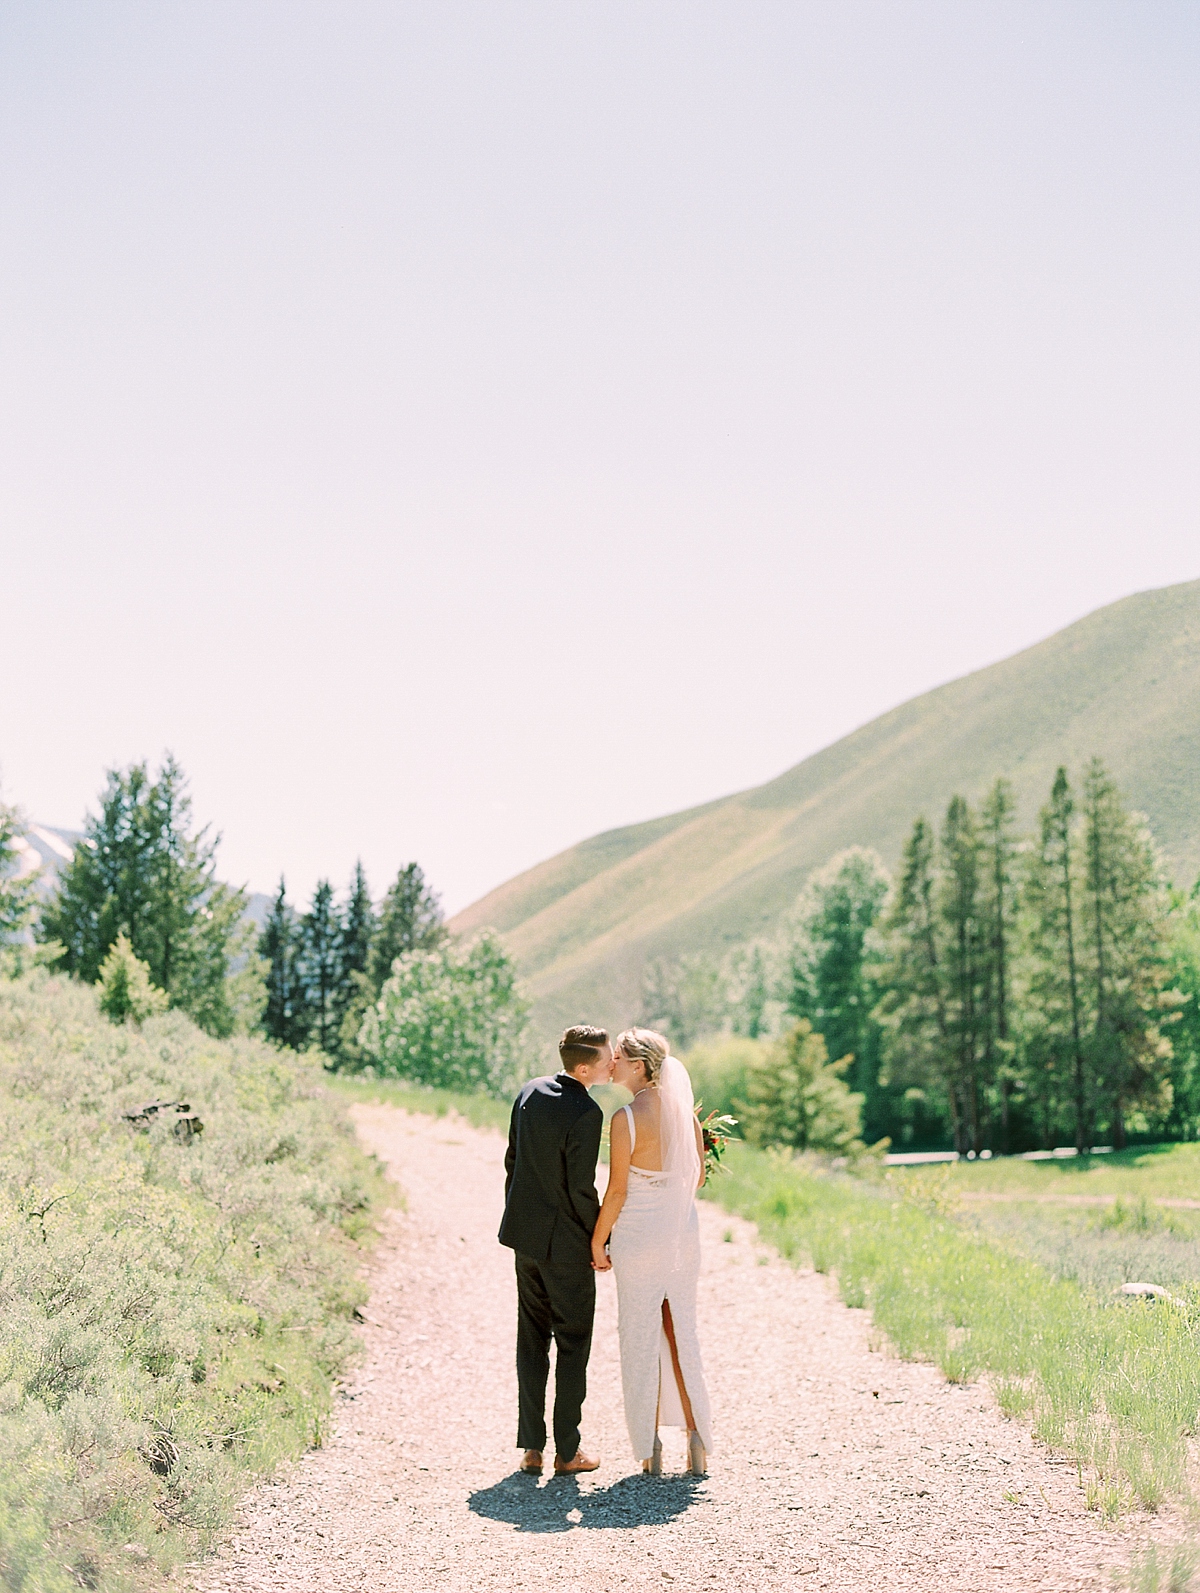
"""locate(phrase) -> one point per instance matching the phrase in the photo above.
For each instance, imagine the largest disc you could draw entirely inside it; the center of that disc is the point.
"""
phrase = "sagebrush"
(172, 1314)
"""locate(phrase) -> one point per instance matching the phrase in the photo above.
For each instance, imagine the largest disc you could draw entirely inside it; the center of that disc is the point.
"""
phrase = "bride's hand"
(600, 1259)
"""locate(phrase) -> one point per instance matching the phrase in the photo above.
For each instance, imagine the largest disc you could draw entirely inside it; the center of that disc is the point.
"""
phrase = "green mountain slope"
(1124, 683)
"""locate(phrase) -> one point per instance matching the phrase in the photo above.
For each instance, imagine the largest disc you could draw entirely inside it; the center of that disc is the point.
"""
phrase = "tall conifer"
(1124, 907)
(959, 906)
(999, 903)
(16, 895)
(321, 967)
(141, 869)
(284, 1018)
(355, 991)
(410, 919)
(829, 986)
(1056, 1016)
(913, 1006)
(358, 930)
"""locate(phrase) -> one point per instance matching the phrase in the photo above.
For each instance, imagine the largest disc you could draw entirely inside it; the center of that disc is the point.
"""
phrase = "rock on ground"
(838, 1466)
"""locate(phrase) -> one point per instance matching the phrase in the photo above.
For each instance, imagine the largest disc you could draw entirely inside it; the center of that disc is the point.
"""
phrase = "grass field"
(1130, 1217)
(173, 1311)
(583, 923)
(1153, 1172)
(1114, 1384)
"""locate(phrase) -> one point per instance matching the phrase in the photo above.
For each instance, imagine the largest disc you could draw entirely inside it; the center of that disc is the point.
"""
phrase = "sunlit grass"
(1099, 1247)
(1114, 1385)
(481, 1111)
(1153, 1172)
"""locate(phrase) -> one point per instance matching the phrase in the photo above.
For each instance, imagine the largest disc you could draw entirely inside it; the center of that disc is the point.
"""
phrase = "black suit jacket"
(550, 1200)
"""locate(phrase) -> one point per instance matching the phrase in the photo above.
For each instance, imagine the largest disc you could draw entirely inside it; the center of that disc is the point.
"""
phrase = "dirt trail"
(838, 1467)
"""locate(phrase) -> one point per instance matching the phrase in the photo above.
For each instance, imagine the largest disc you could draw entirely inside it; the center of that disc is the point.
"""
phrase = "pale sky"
(455, 429)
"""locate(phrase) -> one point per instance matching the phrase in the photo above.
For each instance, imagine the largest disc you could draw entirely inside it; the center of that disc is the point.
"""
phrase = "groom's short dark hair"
(580, 1044)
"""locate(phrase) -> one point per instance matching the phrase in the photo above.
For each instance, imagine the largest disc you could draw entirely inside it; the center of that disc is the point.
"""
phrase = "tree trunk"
(1118, 1124)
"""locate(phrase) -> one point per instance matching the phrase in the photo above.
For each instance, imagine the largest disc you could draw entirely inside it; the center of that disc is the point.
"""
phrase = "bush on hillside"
(719, 1069)
(171, 1313)
(452, 1016)
(126, 991)
(795, 1097)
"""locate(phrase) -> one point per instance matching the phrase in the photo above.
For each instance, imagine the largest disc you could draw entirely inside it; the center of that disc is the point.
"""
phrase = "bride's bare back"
(647, 1117)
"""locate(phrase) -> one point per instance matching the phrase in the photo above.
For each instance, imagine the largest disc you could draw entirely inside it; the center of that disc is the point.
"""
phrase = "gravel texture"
(838, 1466)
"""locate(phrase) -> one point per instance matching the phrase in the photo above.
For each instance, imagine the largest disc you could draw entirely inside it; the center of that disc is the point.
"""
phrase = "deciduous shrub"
(171, 1313)
(719, 1069)
(452, 1016)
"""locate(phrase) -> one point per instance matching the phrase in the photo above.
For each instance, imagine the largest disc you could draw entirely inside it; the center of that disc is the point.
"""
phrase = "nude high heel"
(697, 1459)
(653, 1466)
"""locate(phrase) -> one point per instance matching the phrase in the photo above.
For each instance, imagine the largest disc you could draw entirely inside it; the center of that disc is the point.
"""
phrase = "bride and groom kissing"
(646, 1233)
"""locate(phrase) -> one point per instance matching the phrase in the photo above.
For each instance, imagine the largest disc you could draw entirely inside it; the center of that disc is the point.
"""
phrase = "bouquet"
(717, 1130)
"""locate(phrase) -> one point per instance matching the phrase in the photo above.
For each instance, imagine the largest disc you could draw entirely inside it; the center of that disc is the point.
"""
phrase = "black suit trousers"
(555, 1300)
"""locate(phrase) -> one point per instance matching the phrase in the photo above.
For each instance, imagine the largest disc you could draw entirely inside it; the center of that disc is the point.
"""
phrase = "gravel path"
(839, 1467)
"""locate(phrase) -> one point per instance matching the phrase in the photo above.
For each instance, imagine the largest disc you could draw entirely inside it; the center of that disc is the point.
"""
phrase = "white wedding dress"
(655, 1253)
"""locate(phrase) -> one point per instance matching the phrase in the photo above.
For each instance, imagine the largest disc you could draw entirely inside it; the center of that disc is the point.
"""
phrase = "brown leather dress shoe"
(532, 1462)
(581, 1462)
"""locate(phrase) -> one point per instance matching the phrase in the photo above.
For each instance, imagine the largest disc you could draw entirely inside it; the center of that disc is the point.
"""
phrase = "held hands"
(600, 1260)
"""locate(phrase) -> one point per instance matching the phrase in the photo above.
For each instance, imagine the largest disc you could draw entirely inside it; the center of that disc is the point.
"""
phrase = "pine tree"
(16, 895)
(141, 870)
(912, 978)
(358, 931)
(410, 919)
(126, 993)
(795, 1096)
(962, 940)
(285, 1016)
(356, 992)
(320, 964)
(1184, 1119)
(1124, 907)
(1055, 1016)
(829, 986)
(998, 906)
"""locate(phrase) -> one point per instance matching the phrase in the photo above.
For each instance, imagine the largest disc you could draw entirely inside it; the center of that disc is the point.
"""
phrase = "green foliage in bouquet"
(716, 1130)
(172, 1309)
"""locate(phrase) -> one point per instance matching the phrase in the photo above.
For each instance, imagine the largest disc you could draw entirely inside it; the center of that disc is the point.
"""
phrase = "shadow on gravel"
(561, 1504)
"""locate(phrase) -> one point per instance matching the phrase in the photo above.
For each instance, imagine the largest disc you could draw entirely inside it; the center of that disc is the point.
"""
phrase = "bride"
(648, 1222)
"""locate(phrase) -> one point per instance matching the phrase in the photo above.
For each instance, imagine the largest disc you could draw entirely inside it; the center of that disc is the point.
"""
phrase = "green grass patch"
(1114, 1385)
(1154, 1172)
(481, 1111)
(1099, 1247)
(172, 1315)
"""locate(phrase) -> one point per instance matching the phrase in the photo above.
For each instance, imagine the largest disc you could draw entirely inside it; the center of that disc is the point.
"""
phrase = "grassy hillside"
(172, 1310)
(1124, 683)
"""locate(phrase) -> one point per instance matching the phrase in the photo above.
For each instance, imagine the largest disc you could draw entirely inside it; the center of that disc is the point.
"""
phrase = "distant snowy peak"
(43, 851)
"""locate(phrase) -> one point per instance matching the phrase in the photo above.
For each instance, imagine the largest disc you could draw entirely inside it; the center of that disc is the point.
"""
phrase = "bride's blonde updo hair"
(646, 1047)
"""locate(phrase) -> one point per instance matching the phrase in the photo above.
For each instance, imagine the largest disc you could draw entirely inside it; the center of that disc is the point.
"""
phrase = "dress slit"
(653, 1266)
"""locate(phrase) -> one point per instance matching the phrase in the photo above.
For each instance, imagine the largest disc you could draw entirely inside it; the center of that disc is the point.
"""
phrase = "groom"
(550, 1209)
